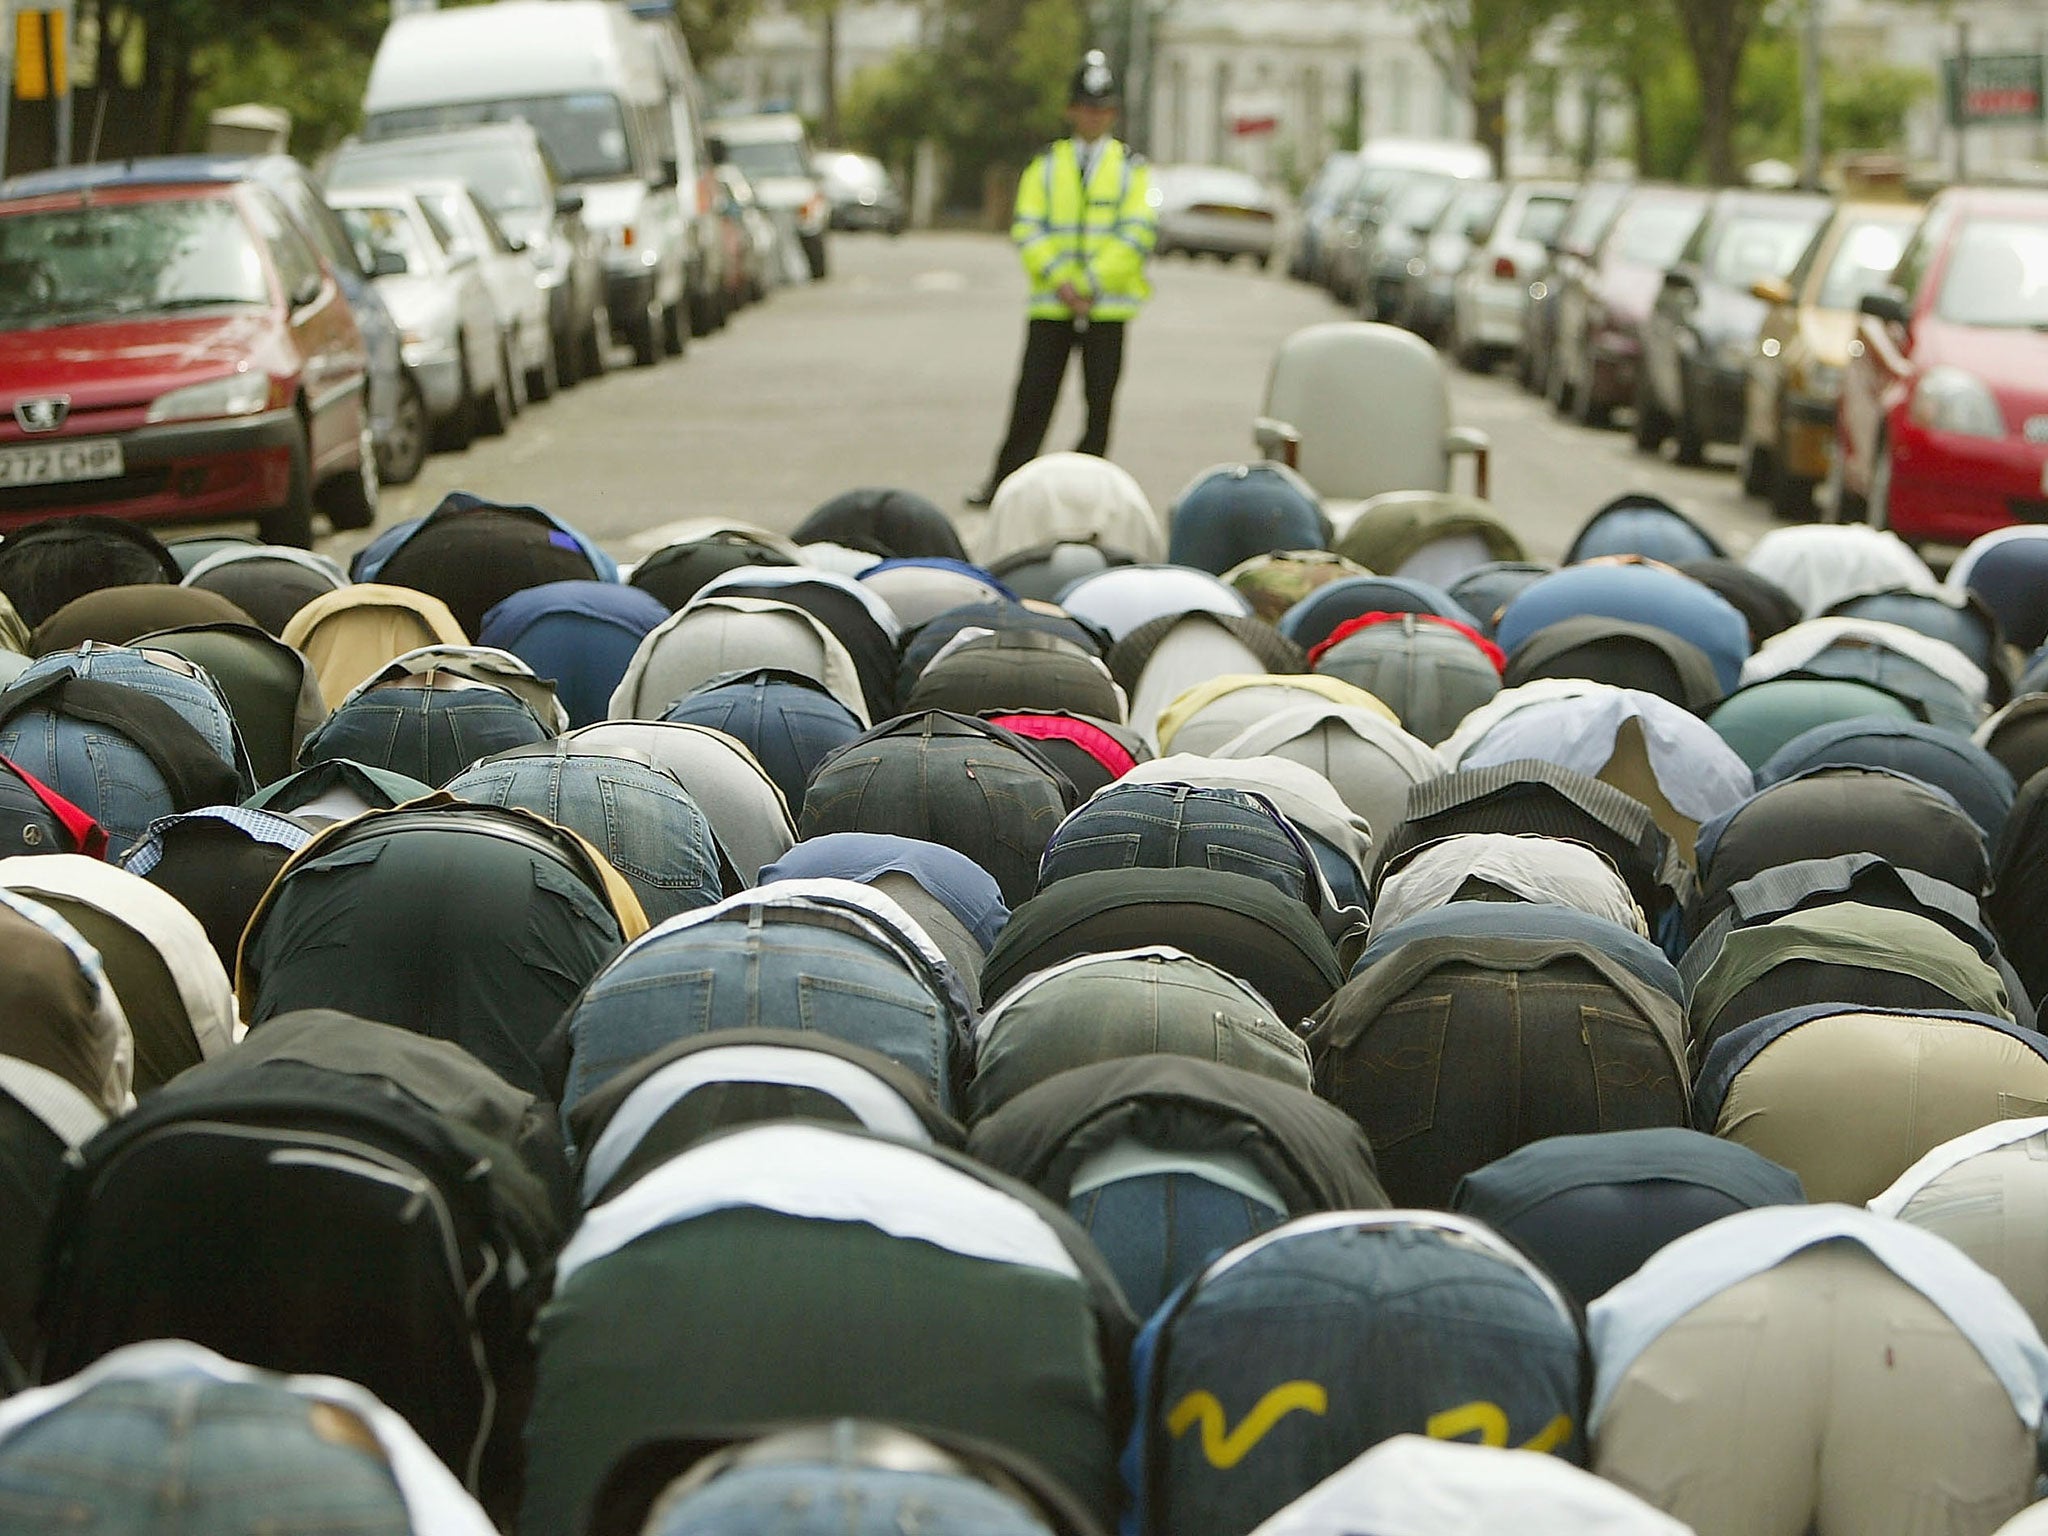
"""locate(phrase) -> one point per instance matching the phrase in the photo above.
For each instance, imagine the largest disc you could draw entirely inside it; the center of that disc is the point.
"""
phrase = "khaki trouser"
(1825, 1394)
(1995, 1208)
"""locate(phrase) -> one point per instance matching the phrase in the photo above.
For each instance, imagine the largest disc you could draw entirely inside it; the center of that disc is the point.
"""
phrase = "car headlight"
(238, 394)
(1950, 400)
(1417, 266)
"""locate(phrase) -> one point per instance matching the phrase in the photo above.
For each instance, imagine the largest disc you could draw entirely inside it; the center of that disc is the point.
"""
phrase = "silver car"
(764, 243)
(1491, 297)
(1208, 210)
(435, 290)
(514, 279)
(774, 151)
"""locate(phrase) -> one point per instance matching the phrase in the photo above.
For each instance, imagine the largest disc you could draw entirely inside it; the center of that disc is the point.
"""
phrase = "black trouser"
(1047, 345)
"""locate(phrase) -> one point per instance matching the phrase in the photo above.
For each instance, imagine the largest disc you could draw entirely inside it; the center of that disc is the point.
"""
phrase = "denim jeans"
(1307, 1352)
(430, 734)
(735, 975)
(1156, 1229)
(194, 1457)
(825, 1500)
(642, 821)
(1164, 826)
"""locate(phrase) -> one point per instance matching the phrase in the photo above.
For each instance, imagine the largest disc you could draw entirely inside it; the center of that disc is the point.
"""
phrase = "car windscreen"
(385, 230)
(504, 180)
(1653, 230)
(1421, 203)
(1592, 212)
(104, 261)
(1760, 245)
(1863, 259)
(1997, 274)
(1542, 219)
(769, 158)
(584, 131)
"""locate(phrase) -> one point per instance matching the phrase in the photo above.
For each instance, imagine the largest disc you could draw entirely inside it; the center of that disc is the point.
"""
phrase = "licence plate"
(85, 458)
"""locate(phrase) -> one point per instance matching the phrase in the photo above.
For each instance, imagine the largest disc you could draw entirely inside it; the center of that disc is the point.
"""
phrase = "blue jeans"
(1169, 826)
(194, 1457)
(824, 1500)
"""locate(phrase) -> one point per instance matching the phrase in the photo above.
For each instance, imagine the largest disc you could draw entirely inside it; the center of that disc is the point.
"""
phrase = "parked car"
(517, 297)
(1210, 210)
(1397, 238)
(1602, 310)
(763, 268)
(1943, 428)
(1385, 164)
(1491, 292)
(774, 151)
(436, 290)
(175, 349)
(1702, 330)
(696, 167)
(509, 169)
(1320, 200)
(1795, 375)
(741, 273)
(1592, 214)
(861, 191)
(589, 79)
(1428, 293)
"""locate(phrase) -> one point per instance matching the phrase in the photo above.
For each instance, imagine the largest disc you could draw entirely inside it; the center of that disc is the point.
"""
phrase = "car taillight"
(1504, 267)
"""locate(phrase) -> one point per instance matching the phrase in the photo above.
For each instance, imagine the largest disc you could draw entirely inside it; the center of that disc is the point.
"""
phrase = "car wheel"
(544, 380)
(494, 406)
(1692, 443)
(458, 430)
(1588, 410)
(350, 501)
(1652, 426)
(1558, 388)
(404, 448)
(814, 256)
(596, 344)
(514, 375)
(1756, 471)
(707, 312)
(1839, 504)
(643, 334)
(292, 523)
(679, 322)
(1264, 259)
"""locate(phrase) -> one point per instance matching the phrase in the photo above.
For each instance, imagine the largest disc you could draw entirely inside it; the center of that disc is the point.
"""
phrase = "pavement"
(897, 370)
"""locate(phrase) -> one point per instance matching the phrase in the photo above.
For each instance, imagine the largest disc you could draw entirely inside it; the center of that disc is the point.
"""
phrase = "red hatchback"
(1943, 427)
(173, 352)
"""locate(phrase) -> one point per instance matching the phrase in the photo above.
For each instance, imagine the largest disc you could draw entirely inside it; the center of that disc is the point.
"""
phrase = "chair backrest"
(1371, 407)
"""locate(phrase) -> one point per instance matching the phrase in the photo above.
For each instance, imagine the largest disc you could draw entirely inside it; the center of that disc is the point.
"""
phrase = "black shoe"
(979, 498)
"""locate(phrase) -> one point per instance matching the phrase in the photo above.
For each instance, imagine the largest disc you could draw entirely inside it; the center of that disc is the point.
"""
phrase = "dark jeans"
(1047, 346)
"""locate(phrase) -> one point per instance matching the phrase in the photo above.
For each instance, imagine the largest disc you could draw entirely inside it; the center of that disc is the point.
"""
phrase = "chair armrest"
(1470, 440)
(1277, 440)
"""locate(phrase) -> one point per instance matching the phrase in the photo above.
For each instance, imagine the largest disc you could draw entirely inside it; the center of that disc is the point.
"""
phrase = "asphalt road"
(896, 370)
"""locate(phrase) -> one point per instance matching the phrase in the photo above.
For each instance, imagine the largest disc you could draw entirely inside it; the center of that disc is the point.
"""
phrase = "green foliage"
(990, 91)
(317, 77)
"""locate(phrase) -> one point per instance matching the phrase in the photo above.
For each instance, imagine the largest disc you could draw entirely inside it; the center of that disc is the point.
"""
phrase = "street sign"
(39, 62)
(1994, 88)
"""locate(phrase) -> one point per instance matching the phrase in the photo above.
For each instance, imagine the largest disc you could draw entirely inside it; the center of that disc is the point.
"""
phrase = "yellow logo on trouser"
(1224, 1447)
(1490, 1422)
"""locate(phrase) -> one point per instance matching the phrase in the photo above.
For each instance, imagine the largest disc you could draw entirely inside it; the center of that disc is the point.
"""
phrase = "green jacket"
(1097, 238)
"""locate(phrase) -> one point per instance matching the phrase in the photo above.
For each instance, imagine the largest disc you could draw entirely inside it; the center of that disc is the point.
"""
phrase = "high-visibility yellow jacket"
(1097, 238)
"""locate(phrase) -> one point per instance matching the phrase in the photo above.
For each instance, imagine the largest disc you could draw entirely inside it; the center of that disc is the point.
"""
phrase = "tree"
(1482, 46)
(1717, 34)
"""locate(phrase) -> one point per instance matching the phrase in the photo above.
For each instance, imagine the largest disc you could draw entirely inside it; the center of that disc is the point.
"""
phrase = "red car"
(176, 351)
(1943, 427)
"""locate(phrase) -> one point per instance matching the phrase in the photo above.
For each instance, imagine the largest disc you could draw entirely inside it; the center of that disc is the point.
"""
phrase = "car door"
(1671, 339)
(477, 310)
(1778, 336)
(1881, 364)
(333, 362)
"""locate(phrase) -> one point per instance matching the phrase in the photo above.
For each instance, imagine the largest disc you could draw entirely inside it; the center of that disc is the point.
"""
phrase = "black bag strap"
(196, 774)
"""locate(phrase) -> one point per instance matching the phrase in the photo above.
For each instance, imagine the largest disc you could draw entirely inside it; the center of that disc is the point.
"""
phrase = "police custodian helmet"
(1094, 83)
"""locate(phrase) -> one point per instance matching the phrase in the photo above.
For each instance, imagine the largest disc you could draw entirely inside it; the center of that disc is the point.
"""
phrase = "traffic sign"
(1994, 88)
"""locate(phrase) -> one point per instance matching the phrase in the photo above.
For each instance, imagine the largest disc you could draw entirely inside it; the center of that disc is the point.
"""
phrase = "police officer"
(1084, 227)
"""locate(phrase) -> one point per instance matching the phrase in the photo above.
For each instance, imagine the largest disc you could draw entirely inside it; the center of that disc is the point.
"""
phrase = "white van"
(697, 183)
(586, 76)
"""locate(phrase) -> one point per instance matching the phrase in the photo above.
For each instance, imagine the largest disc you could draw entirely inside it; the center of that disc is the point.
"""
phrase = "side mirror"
(388, 264)
(514, 243)
(1886, 304)
(670, 172)
(1680, 280)
(309, 290)
(568, 204)
(1772, 290)
(714, 146)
